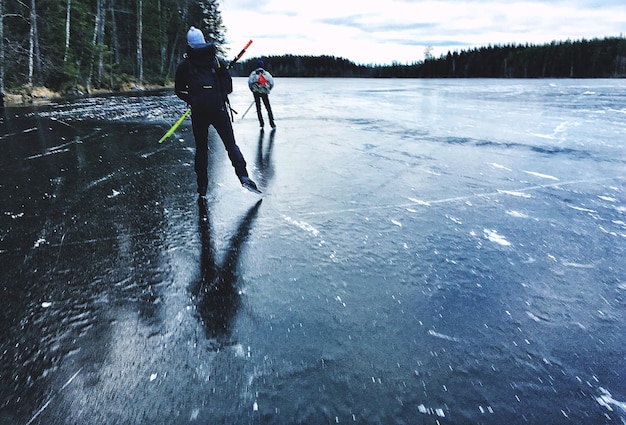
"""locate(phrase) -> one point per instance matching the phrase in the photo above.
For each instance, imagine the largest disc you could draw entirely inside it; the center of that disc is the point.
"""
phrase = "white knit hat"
(195, 38)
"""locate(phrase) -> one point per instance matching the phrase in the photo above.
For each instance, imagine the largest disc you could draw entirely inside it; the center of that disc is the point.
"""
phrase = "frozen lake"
(424, 252)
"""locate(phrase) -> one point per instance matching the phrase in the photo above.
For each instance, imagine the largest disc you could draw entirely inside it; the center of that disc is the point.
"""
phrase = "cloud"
(399, 30)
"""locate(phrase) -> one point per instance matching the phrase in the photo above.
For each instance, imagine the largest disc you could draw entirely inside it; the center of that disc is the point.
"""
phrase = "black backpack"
(209, 87)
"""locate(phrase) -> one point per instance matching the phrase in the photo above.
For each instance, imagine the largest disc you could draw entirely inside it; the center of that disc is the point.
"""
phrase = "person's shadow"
(264, 158)
(216, 294)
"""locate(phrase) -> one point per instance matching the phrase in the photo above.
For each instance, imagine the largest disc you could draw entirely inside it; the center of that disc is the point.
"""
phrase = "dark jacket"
(202, 79)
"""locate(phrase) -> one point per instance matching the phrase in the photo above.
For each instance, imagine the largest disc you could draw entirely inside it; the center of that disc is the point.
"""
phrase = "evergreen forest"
(597, 58)
(65, 45)
(74, 46)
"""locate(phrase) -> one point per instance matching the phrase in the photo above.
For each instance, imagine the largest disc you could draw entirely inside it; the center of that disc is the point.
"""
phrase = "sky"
(382, 32)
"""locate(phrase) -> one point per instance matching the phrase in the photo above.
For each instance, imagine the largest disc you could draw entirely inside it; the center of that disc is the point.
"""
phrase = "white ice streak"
(239, 351)
(442, 336)
(533, 316)
(338, 298)
(493, 236)
(420, 202)
(578, 265)
(612, 233)
(396, 222)
(582, 209)
(607, 198)
(607, 400)
(114, 194)
(14, 215)
(302, 225)
(559, 129)
(514, 193)
(454, 219)
(517, 214)
(69, 381)
(100, 180)
(430, 411)
(38, 412)
(28, 130)
(48, 152)
(55, 149)
(502, 167)
(543, 176)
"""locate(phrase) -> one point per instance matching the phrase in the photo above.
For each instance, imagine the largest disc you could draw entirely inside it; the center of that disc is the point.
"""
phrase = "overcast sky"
(384, 31)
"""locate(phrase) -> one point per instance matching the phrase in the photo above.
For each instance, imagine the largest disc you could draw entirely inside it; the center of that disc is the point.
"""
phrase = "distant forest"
(73, 46)
(597, 58)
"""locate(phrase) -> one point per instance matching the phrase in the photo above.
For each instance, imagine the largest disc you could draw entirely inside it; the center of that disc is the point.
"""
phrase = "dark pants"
(201, 121)
(268, 107)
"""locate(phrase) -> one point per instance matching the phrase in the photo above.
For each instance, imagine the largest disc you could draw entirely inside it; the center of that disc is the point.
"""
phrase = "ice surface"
(447, 250)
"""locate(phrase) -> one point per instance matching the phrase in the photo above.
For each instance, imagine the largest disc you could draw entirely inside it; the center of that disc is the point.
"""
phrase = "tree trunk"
(163, 38)
(31, 44)
(171, 63)
(139, 42)
(94, 40)
(68, 14)
(100, 41)
(1, 47)
(114, 35)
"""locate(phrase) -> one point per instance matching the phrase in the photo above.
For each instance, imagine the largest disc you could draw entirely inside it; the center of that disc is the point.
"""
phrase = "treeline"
(98, 44)
(304, 66)
(597, 58)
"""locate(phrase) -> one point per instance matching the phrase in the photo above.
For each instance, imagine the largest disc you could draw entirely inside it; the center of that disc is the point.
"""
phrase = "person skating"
(261, 83)
(204, 83)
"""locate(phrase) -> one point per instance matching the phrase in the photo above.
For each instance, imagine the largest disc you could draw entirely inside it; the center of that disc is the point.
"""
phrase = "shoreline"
(42, 95)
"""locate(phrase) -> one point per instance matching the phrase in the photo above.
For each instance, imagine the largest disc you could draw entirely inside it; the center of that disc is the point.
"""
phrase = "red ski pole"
(234, 61)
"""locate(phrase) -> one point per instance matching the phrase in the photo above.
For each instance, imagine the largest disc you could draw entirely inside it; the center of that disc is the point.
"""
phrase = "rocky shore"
(42, 95)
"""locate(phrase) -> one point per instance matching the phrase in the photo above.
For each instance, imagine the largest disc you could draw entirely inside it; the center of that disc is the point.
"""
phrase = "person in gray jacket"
(261, 83)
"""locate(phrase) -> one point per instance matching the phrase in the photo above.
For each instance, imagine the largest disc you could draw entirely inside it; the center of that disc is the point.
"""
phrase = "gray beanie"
(195, 38)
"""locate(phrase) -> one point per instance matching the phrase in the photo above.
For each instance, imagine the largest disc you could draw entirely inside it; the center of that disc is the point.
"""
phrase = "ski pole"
(234, 61)
(175, 126)
(230, 65)
(244, 114)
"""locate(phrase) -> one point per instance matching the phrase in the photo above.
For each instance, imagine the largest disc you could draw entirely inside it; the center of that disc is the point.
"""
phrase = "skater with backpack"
(204, 83)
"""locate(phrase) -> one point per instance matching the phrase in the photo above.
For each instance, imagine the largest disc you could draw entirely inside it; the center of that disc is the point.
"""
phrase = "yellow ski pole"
(175, 126)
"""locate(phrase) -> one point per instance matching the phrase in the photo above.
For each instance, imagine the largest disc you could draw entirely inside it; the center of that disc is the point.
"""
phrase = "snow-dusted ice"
(424, 251)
